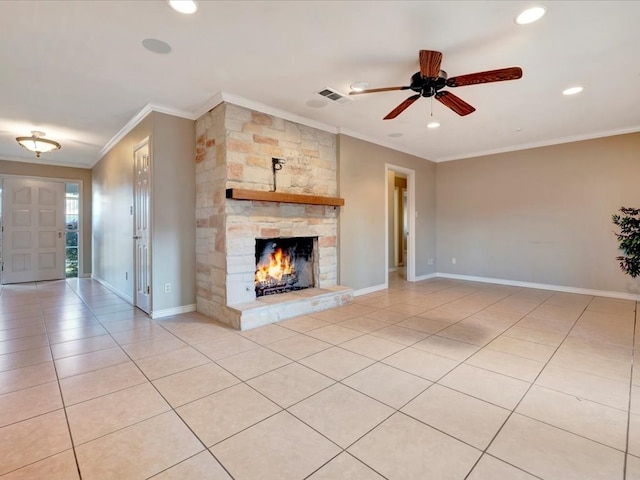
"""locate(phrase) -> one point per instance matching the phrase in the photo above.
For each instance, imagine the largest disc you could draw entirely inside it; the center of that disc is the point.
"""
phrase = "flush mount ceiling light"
(35, 143)
(433, 125)
(359, 86)
(572, 90)
(530, 15)
(184, 6)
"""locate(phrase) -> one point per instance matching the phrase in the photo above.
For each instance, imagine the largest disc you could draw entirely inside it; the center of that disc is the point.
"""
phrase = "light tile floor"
(440, 380)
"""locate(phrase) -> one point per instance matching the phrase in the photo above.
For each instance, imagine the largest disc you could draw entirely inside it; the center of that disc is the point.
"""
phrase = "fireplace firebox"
(285, 264)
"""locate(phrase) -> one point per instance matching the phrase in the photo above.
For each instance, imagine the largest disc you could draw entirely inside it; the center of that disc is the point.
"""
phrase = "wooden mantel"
(241, 194)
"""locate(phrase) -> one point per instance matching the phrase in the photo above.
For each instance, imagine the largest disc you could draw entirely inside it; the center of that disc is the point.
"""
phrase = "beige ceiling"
(77, 69)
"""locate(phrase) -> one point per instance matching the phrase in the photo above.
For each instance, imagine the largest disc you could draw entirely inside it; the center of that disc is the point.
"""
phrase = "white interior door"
(142, 227)
(33, 230)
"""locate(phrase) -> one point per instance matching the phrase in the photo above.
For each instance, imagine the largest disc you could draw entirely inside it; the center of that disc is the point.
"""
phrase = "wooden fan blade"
(402, 107)
(455, 103)
(430, 63)
(500, 75)
(384, 89)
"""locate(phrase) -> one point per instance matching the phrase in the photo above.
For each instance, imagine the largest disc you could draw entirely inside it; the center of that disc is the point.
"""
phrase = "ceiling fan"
(430, 80)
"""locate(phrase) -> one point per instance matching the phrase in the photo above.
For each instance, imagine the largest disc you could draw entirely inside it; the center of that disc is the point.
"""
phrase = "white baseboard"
(393, 269)
(428, 276)
(375, 288)
(108, 286)
(167, 312)
(512, 283)
(542, 286)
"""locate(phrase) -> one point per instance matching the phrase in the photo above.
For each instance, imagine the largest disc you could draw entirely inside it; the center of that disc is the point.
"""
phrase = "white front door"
(142, 227)
(33, 230)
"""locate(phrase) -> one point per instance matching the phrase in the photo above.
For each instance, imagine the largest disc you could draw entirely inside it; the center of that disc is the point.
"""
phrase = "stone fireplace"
(235, 147)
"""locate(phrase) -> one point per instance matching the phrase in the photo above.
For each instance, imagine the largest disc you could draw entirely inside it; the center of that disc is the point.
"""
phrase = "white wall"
(173, 218)
(541, 215)
(112, 219)
(362, 183)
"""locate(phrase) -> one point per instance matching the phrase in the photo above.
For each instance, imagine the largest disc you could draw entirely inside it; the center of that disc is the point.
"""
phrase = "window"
(72, 221)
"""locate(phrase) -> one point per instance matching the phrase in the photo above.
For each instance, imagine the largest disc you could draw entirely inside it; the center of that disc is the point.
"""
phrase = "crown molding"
(545, 143)
(213, 102)
(46, 161)
(207, 106)
(390, 146)
(238, 100)
(262, 108)
(135, 120)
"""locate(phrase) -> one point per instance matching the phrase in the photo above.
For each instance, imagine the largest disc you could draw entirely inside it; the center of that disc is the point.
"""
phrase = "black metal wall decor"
(276, 165)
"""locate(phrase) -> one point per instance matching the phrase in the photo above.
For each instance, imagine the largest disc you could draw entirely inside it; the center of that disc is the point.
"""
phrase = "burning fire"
(279, 265)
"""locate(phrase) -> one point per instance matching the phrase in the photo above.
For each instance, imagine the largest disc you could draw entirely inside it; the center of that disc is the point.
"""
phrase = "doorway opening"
(30, 250)
(400, 222)
(33, 215)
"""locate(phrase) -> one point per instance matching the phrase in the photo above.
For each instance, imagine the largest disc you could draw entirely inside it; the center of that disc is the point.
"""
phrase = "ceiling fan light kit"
(430, 80)
(359, 86)
(35, 143)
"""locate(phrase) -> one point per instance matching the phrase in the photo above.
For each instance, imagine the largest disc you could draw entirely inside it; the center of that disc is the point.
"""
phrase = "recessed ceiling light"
(572, 90)
(395, 135)
(530, 15)
(433, 125)
(184, 6)
(156, 46)
(359, 86)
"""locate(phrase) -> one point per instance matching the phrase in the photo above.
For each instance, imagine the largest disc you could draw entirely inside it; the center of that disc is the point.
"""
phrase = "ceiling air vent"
(331, 94)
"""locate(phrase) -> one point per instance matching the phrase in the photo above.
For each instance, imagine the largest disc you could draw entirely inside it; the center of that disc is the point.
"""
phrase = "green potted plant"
(629, 238)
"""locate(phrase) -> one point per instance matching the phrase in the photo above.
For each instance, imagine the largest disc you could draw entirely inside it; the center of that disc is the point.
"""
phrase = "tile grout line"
(55, 369)
(343, 452)
(171, 408)
(398, 410)
(533, 383)
(78, 294)
(513, 411)
(395, 410)
(626, 452)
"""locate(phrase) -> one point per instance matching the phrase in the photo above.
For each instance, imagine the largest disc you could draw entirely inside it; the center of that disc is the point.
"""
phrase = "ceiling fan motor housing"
(427, 86)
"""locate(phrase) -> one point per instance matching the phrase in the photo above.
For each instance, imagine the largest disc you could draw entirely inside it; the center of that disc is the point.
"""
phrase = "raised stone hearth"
(234, 151)
(273, 308)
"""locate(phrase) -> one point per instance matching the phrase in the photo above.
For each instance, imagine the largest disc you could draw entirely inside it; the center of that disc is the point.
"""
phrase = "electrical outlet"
(430, 261)
(453, 260)
(167, 288)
